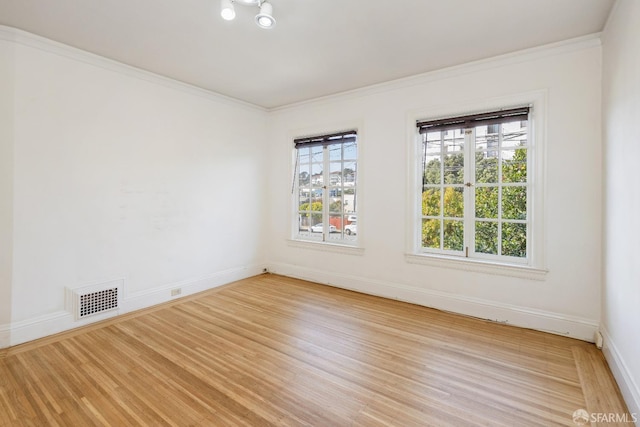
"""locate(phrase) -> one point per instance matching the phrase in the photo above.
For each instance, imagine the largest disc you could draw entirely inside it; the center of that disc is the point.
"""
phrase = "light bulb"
(265, 22)
(227, 12)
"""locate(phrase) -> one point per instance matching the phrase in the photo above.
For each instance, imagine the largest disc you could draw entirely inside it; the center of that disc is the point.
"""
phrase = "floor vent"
(91, 300)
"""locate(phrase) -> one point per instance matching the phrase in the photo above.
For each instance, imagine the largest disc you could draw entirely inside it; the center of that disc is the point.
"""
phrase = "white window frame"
(323, 241)
(534, 267)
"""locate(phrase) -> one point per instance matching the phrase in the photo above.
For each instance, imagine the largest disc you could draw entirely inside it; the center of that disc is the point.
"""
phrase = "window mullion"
(469, 192)
(500, 188)
(443, 155)
(530, 202)
(296, 192)
(326, 177)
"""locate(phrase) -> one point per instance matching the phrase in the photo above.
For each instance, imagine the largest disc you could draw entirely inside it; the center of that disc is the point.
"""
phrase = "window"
(476, 192)
(325, 188)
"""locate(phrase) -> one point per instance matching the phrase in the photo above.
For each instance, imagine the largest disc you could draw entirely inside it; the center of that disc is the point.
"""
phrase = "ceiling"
(318, 47)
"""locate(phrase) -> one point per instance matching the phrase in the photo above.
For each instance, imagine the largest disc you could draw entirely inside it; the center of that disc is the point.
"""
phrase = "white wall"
(567, 301)
(119, 174)
(621, 112)
(6, 179)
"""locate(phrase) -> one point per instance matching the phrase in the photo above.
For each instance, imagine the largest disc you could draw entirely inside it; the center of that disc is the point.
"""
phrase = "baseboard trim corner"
(628, 386)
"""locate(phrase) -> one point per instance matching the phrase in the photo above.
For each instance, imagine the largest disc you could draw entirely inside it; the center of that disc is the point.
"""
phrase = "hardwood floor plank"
(275, 351)
(601, 392)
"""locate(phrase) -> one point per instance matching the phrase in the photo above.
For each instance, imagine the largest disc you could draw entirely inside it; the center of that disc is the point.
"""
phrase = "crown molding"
(38, 42)
(34, 41)
(563, 47)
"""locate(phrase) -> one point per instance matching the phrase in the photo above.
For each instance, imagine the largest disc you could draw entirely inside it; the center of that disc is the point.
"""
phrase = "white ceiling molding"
(41, 43)
(573, 45)
(37, 42)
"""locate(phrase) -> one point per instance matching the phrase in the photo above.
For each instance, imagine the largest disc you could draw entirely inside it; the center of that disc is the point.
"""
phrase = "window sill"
(478, 266)
(327, 247)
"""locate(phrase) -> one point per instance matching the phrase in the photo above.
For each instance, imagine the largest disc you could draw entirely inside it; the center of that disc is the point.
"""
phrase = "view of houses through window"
(325, 185)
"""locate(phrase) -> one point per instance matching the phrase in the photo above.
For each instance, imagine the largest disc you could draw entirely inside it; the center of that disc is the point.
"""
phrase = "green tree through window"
(474, 190)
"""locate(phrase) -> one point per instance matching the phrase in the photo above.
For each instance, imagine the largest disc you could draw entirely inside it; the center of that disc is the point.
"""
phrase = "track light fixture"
(228, 12)
(264, 18)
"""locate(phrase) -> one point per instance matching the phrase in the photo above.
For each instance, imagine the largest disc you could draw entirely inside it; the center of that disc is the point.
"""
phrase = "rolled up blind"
(470, 121)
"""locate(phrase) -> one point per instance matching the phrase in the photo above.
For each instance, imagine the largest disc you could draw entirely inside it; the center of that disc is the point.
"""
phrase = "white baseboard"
(61, 321)
(556, 323)
(628, 386)
(4, 336)
(144, 299)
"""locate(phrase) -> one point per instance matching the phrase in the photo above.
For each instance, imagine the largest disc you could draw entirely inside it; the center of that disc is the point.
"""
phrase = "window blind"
(340, 137)
(473, 120)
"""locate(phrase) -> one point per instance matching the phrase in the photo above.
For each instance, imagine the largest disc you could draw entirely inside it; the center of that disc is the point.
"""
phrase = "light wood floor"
(276, 351)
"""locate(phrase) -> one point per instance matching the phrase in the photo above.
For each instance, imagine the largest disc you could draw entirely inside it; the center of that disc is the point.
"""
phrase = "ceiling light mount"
(264, 18)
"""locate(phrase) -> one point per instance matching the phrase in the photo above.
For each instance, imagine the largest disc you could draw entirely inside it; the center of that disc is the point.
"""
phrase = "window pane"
(316, 154)
(431, 202)
(349, 227)
(335, 173)
(431, 233)
(453, 202)
(350, 200)
(431, 153)
(336, 204)
(350, 151)
(304, 198)
(481, 137)
(453, 235)
(335, 152)
(514, 165)
(432, 173)
(514, 134)
(316, 218)
(454, 160)
(304, 175)
(514, 202)
(487, 237)
(514, 240)
(316, 175)
(454, 168)
(486, 168)
(316, 198)
(349, 174)
(304, 156)
(486, 202)
(434, 137)
(304, 221)
(487, 138)
(335, 227)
